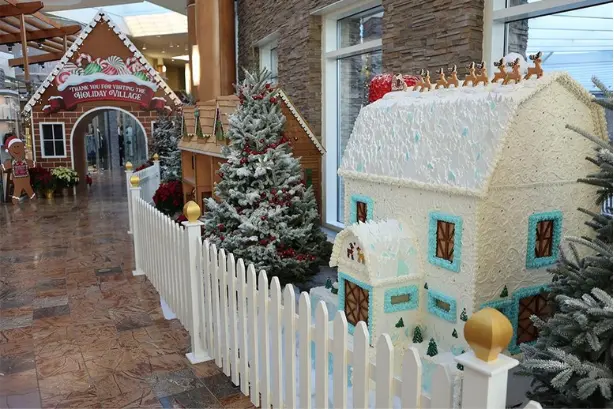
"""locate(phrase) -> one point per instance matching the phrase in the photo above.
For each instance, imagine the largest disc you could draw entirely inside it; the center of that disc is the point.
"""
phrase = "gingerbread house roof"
(449, 140)
(390, 251)
(301, 121)
(101, 17)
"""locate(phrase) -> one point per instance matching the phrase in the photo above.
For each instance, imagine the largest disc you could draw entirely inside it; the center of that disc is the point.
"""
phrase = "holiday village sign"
(110, 79)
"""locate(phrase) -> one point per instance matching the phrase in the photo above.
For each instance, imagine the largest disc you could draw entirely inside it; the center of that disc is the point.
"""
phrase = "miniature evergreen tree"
(432, 348)
(463, 315)
(426, 286)
(265, 214)
(571, 363)
(166, 137)
(417, 338)
(454, 333)
(329, 284)
(504, 292)
(400, 323)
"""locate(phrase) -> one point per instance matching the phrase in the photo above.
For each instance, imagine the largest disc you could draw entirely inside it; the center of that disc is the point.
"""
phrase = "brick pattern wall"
(70, 119)
(416, 34)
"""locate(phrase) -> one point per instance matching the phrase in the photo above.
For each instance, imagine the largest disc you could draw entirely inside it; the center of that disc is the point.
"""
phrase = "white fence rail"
(149, 182)
(255, 335)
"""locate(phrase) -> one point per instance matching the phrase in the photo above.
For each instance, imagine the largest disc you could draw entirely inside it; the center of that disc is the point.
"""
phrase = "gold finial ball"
(488, 332)
(134, 180)
(129, 166)
(191, 211)
(156, 157)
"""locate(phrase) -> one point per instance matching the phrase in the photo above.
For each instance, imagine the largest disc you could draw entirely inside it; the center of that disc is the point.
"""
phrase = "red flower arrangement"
(42, 179)
(88, 180)
(169, 197)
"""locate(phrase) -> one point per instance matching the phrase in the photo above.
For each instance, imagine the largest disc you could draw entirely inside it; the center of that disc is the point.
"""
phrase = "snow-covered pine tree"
(166, 136)
(264, 213)
(571, 363)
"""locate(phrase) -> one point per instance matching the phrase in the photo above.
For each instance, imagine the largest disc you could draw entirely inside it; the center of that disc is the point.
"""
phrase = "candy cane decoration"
(134, 65)
(81, 57)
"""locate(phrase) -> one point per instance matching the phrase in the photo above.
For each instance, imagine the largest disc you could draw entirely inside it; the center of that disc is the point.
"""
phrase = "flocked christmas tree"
(571, 363)
(166, 135)
(264, 213)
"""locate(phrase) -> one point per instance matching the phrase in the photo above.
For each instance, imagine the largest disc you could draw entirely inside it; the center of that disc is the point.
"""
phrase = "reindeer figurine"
(442, 82)
(470, 78)
(537, 70)
(515, 75)
(502, 74)
(426, 81)
(453, 78)
(482, 77)
(420, 81)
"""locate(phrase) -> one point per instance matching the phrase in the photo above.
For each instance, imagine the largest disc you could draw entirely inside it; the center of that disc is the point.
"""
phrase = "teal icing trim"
(412, 304)
(360, 198)
(514, 312)
(342, 278)
(432, 307)
(453, 265)
(534, 219)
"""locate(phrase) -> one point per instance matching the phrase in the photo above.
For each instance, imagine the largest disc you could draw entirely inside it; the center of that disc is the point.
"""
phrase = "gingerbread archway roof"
(101, 17)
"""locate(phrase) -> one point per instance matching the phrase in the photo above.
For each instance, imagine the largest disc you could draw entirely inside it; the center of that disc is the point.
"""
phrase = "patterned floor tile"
(48, 312)
(50, 302)
(171, 383)
(28, 400)
(22, 321)
(237, 402)
(16, 363)
(48, 367)
(19, 383)
(195, 398)
(221, 386)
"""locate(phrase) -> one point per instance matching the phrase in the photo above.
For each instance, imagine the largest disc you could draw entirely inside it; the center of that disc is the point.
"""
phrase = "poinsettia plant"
(169, 197)
(41, 179)
(65, 177)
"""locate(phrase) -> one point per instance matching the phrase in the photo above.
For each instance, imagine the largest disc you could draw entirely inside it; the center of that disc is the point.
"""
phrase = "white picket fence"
(254, 334)
(149, 181)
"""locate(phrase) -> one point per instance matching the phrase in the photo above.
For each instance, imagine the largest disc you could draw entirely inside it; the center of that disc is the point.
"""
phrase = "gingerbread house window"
(399, 299)
(537, 305)
(543, 238)
(356, 306)
(361, 211)
(445, 240)
(53, 140)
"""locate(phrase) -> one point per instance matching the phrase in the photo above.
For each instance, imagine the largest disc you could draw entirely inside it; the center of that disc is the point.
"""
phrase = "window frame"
(497, 15)
(42, 140)
(455, 264)
(343, 277)
(532, 261)
(265, 46)
(412, 304)
(354, 200)
(330, 55)
(433, 297)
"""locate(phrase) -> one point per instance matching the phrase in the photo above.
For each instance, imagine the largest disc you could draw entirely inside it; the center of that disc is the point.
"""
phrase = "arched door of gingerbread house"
(105, 138)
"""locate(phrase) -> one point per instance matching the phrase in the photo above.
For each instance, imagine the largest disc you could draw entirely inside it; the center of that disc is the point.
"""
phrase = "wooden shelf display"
(205, 127)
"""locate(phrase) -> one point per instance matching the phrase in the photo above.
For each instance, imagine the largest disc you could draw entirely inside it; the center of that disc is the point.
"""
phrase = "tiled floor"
(77, 330)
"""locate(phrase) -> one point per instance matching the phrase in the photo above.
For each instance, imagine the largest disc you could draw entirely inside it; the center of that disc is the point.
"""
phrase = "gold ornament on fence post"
(135, 180)
(191, 211)
(488, 332)
(156, 157)
(129, 166)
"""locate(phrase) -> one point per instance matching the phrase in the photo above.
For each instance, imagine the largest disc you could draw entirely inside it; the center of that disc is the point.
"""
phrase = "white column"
(485, 383)
(128, 176)
(135, 193)
(193, 230)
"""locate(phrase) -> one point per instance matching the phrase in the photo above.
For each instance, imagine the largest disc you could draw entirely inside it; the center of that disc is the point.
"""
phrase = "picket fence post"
(197, 290)
(128, 176)
(488, 332)
(133, 195)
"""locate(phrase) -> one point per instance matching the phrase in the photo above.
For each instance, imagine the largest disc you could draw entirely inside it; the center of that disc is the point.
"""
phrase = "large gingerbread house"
(462, 197)
(102, 70)
(205, 126)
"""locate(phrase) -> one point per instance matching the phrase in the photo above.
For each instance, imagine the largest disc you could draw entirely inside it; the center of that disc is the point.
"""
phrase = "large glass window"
(53, 140)
(268, 56)
(353, 55)
(571, 36)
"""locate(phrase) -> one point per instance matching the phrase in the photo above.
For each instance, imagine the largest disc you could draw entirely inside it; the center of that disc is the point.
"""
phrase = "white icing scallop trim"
(301, 121)
(100, 16)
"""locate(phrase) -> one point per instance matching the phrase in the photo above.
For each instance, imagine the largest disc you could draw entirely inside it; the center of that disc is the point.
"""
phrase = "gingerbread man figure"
(19, 165)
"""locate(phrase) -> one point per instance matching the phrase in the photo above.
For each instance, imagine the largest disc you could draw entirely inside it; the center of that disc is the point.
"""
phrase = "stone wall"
(416, 34)
(518, 33)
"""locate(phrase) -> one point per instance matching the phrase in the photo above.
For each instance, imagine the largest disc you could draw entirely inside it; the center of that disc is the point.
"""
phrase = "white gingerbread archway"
(104, 108)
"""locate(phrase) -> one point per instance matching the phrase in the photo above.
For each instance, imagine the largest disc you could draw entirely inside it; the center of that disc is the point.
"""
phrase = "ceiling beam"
(7, 10)
(41, 34)
(38, 15)
(10, 26)
(35, 59)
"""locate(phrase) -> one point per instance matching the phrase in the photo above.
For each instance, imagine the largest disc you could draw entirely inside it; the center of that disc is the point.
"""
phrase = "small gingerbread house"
(205, 127)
